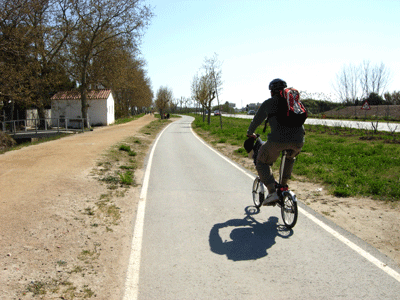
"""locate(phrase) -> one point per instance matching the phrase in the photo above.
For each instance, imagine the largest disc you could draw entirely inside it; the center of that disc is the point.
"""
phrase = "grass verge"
(352, 162)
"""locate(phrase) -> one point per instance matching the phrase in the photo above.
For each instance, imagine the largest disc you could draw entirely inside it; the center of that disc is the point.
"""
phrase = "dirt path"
(47, 241)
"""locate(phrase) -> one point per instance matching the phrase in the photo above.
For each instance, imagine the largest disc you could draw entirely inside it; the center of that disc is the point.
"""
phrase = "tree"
(375, 99)
(103, 26)
(163, 99)
(32, 34)
(48, 43)
(208, 93)
(50, 22)
(213, 71)
(15, 44)
(358, 82)
(200, 92)
(374, 79)
(206, 87)
(392, 98)
(125, 75)
(347, 84)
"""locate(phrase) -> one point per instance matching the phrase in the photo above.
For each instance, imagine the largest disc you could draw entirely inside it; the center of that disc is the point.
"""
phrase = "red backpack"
(296, 112)
(292, 113)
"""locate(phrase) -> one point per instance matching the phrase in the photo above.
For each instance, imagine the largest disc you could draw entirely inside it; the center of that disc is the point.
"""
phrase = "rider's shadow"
(248, 239)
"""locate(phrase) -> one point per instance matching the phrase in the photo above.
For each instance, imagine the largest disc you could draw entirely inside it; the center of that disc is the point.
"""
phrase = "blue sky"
(306, 43)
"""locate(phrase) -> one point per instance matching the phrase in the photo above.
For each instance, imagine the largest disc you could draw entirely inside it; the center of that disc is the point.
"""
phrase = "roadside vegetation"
(351, 162)
(116, 169)
(127, 119)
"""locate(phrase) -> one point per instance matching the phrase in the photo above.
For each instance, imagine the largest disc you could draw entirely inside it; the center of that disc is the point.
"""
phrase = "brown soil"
(380, 111)
(56, 236)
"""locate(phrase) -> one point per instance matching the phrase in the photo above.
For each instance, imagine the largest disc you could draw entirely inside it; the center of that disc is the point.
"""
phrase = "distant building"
(68, 105)
(254, 106)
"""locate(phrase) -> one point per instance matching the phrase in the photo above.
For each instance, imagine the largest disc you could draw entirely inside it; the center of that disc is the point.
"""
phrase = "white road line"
(353, 246)
(132, 277)
(222, 156)
(336, 234)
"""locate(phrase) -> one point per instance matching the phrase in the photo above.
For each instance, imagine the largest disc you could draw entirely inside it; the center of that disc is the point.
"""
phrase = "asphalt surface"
(203, 239)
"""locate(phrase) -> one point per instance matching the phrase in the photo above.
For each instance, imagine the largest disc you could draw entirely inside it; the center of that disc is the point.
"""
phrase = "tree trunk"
(84, 103)
(42, 117)
(220, 114)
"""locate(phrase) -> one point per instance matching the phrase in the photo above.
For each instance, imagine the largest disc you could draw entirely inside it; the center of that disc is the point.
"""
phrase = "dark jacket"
(279, 132)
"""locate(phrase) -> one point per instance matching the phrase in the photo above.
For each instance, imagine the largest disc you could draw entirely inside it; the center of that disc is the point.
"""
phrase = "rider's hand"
(254, 136)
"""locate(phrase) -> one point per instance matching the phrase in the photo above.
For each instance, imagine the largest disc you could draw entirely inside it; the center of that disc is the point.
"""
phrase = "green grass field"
(351, 162)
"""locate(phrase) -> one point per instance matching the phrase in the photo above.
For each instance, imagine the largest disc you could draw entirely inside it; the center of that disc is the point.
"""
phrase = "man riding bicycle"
(281, 138)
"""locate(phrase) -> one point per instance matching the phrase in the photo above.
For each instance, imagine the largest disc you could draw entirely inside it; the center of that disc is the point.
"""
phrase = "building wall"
(70, 109)
(97, 112)
(101, 112)
(110, 110)
(32, 114)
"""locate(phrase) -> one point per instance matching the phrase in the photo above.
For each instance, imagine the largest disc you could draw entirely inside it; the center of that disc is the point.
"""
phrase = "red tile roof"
(76, 95)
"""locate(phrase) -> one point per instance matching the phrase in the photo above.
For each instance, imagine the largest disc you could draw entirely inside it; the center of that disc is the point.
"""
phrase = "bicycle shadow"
(250, 239)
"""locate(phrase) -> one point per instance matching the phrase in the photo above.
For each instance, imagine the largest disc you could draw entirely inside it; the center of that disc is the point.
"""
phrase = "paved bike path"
(202, 239)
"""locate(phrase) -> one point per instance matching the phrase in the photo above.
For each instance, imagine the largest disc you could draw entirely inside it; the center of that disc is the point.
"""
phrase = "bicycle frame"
(282, 167)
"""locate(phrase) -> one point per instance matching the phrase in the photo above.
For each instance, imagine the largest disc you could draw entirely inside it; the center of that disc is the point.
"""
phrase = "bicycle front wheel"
(289, 210)
(258, 195)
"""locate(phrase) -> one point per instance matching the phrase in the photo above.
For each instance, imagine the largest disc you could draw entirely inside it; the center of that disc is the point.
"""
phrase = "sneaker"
(271, 198)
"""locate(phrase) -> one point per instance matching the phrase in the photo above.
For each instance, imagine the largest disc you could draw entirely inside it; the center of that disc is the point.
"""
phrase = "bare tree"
(213, 70)
(347, 84)
(163, 99)
(200, 92)
(206, 87)
(374, 79)
(354, 83)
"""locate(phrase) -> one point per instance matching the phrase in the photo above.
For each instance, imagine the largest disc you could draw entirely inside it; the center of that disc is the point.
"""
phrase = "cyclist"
(281, 138)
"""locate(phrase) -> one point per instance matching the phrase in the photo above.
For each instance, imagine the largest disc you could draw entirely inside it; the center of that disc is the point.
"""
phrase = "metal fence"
(42, 125)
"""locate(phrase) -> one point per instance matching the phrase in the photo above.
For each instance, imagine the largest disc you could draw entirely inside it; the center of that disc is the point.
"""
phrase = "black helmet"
(277, 84)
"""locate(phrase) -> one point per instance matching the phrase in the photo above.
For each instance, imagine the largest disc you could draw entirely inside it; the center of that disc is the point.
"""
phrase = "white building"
(68, 105)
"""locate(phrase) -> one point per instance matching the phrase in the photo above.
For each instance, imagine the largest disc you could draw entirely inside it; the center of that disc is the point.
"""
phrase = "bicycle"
(287, 199)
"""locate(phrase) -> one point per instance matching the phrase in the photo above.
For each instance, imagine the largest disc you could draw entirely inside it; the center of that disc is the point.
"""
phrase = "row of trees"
(205, 87)
(354, 84)
(50, 45)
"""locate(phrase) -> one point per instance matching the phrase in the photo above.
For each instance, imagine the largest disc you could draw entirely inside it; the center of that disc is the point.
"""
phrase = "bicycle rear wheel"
(289, 210)
(258, 195)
